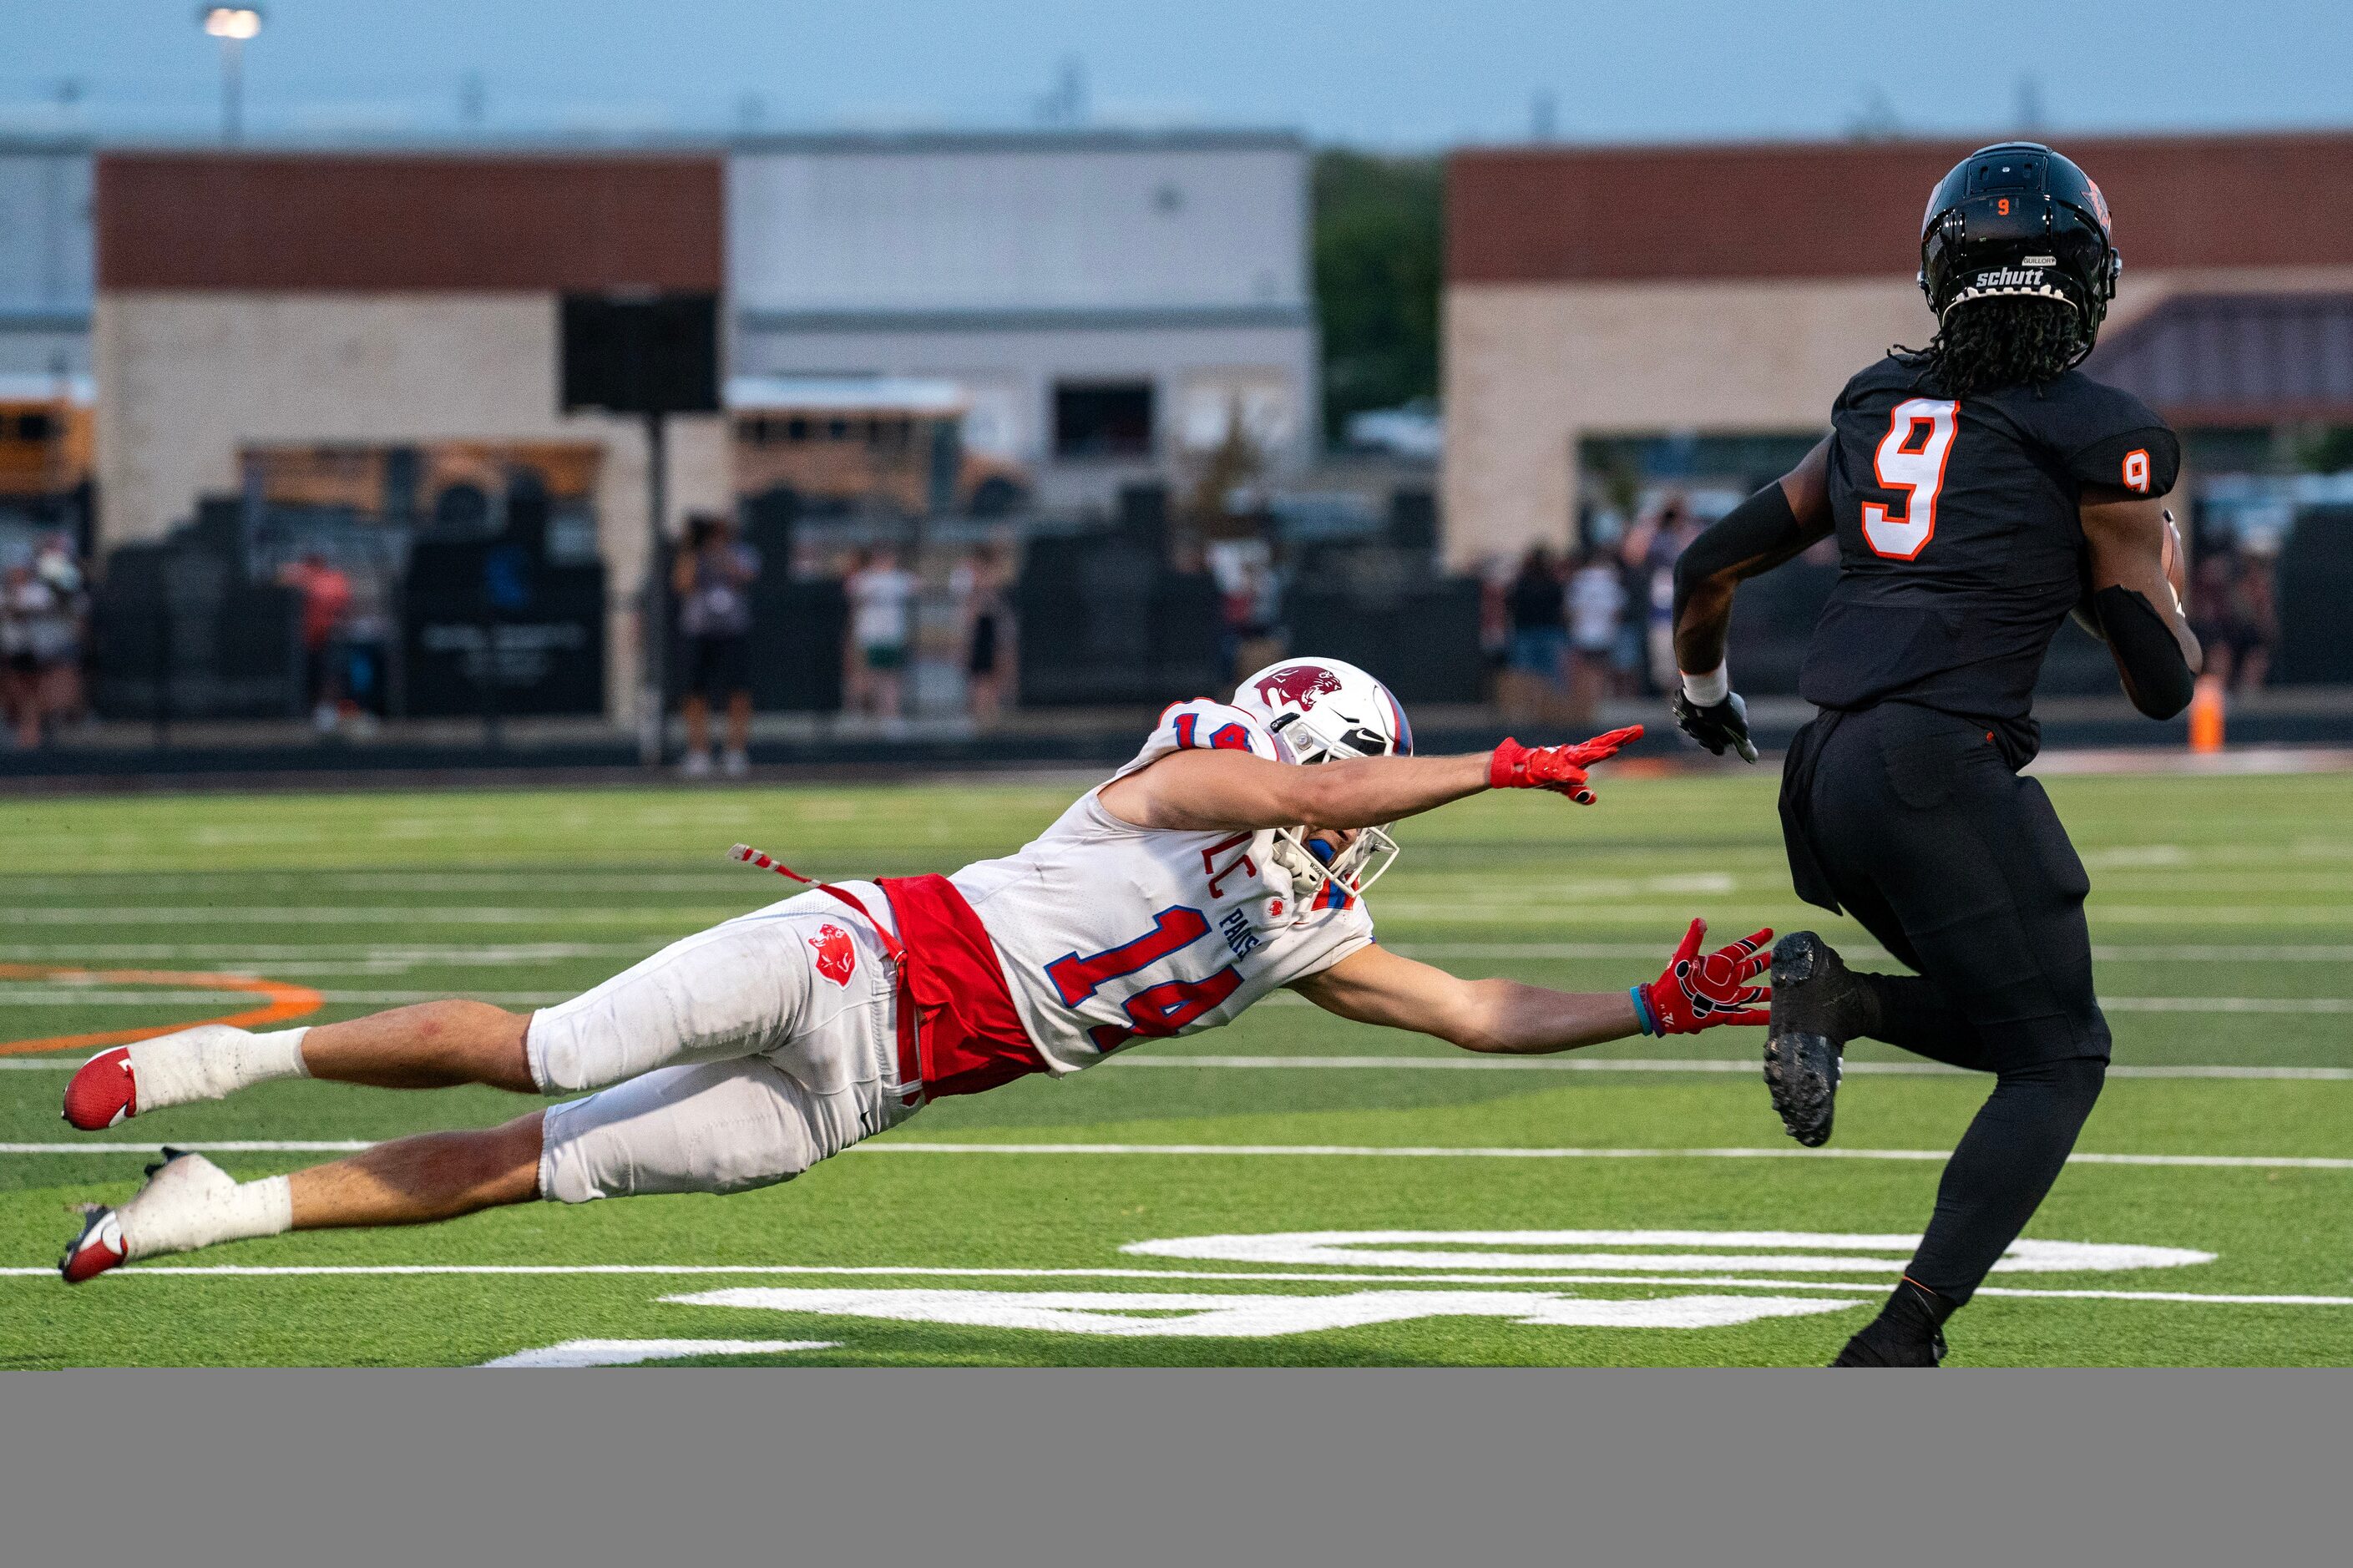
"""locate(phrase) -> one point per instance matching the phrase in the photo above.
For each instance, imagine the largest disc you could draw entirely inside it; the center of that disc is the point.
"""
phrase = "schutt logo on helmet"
(1301, 683)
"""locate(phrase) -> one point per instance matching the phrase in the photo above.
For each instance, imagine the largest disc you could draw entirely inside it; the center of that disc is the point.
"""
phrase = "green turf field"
(1153, 1213)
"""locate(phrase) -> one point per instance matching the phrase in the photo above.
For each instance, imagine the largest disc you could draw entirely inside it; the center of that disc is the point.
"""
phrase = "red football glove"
(1560, 769)
(1701, 991)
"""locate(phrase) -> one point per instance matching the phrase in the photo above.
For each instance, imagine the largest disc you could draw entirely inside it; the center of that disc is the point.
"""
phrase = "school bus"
(836, 443)
(416, 482)
(46, 437)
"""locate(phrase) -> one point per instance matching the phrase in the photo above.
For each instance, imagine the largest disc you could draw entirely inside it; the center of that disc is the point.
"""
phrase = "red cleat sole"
(98, 1249)
(102, 1093)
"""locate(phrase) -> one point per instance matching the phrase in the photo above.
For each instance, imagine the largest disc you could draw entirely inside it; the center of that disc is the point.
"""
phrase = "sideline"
(1473, 1063)
(1310, 1151)
(1862, 1290)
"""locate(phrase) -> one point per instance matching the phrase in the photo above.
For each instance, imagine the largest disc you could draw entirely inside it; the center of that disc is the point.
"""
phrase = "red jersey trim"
(969, 1033)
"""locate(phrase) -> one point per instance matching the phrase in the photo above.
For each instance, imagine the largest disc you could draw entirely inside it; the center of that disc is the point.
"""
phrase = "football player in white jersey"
(1231, 857)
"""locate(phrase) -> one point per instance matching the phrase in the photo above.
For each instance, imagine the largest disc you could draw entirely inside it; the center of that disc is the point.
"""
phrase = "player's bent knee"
(2081, 1078)
(2072, 1082)
(720, 1127)
(721, 994)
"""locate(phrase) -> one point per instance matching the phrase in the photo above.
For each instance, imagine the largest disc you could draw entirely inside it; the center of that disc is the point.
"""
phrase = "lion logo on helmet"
(1299, 683)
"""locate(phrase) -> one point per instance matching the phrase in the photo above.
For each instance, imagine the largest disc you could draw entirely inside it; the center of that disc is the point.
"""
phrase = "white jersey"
(1110, 932)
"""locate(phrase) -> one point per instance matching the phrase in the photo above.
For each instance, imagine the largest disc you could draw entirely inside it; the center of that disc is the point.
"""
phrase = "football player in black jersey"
(1981, 489)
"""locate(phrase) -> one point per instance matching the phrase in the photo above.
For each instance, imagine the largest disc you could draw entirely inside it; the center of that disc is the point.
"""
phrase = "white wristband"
(1707, 690)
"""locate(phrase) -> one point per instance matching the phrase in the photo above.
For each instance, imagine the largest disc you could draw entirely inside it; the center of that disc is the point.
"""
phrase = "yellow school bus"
(45, 428)
(853, 441)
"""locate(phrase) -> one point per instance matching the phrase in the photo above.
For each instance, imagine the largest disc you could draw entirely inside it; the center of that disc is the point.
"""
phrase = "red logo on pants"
(836, 958)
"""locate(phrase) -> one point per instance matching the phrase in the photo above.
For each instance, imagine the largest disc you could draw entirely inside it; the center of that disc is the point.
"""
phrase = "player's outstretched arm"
(1768, 528)
(2137, 575)
(1212, 790)
(1698, 991)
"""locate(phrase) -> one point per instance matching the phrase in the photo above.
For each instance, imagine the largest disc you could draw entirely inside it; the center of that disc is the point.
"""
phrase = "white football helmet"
(1323, 709)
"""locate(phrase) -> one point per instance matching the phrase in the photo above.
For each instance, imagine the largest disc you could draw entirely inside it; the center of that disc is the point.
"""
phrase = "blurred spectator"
(1250, 601)
(326, 600)
(1539, 635)
(42, 611)
(1672, 535)
(712, 578)
(1596, 607)
(980, 584)
(1495, 613)
(882, 626)
(2233, 610)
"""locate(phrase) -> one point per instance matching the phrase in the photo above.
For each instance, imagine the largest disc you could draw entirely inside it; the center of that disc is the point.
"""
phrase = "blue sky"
(1385, 73)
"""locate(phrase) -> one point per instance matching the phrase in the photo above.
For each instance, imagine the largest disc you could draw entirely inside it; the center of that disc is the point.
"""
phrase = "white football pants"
(737, 1058)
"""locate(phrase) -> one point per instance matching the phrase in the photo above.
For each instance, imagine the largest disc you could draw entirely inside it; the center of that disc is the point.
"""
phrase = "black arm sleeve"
(2144, 647)
(1759, 533)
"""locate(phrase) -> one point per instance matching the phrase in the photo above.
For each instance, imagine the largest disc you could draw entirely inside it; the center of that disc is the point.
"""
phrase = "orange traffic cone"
(2205, 706)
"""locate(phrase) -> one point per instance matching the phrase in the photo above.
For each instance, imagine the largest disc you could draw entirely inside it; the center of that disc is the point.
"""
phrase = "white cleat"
(179, 1209)
(98, 1249)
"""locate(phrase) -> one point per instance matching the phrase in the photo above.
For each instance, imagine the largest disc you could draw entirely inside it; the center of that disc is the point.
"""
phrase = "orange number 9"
(2002, 206)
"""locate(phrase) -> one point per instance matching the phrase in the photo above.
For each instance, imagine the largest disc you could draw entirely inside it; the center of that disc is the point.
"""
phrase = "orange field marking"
(284, 1002)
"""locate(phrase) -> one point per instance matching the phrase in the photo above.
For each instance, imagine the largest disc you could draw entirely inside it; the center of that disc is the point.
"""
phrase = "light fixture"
(233, 26)
(237, 22)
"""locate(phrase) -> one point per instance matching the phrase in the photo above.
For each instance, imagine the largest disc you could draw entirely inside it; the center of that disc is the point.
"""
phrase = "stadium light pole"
(233, 26)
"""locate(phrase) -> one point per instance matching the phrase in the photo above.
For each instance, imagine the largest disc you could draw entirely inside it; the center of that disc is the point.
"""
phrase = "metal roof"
(2238, 359)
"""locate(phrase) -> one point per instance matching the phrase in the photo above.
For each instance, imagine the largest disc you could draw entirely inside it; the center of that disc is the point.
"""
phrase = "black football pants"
(1914, 823)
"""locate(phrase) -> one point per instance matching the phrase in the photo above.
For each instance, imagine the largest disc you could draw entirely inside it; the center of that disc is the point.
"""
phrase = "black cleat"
(1908, 1332)
(1818, 1007)
(1872, 1348)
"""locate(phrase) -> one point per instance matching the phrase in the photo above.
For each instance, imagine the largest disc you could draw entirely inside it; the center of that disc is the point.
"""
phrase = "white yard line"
(366, 914)
(246, 956)
(1377, 1151)
(1469, 1063)
(1493, 911)
(1673, 1064)
(50, 994)
(400, 1270)
(637, 1353)
(2289, 1004)
(1295, 1151)
(2105, 952)
(245, 953)
(72, 996)
(213, 1147)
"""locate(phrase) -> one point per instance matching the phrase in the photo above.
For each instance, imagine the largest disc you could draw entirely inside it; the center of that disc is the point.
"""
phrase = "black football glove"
(1724, 724)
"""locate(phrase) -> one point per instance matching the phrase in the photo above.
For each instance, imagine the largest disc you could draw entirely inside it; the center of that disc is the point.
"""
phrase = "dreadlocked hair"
(1984, 344)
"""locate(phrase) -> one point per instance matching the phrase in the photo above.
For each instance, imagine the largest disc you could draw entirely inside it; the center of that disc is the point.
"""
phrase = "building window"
(1103, 420)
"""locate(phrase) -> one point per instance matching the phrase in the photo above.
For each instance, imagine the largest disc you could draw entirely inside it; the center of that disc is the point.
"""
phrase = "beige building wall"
(1533, 368)
(188, 378)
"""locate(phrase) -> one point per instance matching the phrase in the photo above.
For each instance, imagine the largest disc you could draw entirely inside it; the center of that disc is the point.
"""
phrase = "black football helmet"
(2017, 220)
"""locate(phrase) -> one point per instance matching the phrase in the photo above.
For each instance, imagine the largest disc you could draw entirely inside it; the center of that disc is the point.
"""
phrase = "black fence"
(179, 632)
(491, 627)
(2316, 596)
(1106, 620)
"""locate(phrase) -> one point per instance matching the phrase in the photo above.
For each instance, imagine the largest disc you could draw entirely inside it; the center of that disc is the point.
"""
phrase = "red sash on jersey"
(968, 1034)
(959, 1030)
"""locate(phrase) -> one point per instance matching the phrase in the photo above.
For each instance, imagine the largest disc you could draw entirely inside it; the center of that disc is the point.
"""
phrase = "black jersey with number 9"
(1961, 549)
